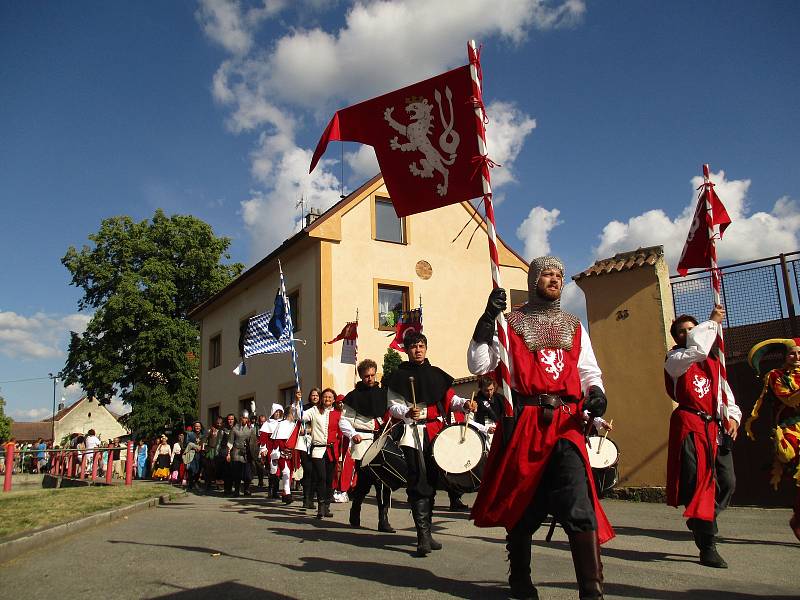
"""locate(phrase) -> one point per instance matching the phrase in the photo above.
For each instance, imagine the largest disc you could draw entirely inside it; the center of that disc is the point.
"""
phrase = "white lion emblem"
(418, 132)
(701, 386)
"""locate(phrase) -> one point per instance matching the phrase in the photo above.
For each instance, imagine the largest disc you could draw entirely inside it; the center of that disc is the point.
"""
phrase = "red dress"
(513, 473)
(696, 391)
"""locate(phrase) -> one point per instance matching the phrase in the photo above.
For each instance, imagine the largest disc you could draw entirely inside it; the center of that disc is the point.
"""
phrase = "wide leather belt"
(548, 402)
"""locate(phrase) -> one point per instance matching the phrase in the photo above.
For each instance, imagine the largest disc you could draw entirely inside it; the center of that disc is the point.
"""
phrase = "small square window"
(392, 302)
(287, 396)
(388, 226)
(215, 351)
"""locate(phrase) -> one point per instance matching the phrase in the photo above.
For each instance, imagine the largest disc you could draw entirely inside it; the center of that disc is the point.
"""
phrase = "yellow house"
(357, 257)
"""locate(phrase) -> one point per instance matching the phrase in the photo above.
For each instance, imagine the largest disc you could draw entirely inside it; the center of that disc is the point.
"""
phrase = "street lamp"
(53, 418)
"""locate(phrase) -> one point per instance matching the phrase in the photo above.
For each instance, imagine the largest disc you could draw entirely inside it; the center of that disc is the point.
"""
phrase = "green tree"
(141, 279)
(5, 422)
(391, 360)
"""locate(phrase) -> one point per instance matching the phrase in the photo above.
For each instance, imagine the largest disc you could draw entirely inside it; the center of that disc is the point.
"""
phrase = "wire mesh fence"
(758, 303)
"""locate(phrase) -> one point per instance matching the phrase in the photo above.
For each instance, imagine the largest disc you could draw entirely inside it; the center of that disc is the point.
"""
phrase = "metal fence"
(758, 296)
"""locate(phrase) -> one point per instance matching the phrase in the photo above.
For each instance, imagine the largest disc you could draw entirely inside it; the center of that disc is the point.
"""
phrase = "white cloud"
(574, 301)
(231, 26)
(39, 336)
(271, 216)
(30, 414)
(117, 407)
(748, 237)
(505, 134)
(310, 72)
(535, 230)
(363, 163)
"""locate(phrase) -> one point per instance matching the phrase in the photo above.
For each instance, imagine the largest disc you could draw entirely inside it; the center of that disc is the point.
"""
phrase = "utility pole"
(55, 378)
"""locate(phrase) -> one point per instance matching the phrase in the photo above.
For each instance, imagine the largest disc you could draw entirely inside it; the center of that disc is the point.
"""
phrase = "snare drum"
(603, 459)
(460, 452)
(385, 460)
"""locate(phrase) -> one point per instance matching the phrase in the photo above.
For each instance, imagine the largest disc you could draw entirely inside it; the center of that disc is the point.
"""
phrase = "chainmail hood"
(541, 323)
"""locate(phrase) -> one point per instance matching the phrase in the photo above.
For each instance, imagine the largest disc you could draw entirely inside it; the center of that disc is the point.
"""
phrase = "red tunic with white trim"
(695, 390)
(513, 473)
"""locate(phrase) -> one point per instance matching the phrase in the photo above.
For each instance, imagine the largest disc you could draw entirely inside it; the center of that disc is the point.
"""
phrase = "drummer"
(366, 409)
(490, 406)
(421, 406)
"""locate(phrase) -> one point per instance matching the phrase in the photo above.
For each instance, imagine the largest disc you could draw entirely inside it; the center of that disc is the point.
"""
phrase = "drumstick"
(466, 420)
(605, 435)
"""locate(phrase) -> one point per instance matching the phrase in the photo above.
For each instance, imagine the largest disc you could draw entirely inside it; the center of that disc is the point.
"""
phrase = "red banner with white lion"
(425, 138)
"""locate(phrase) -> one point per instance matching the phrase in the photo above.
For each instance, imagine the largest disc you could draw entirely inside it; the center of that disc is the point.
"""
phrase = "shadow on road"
(230, 590)
(633, 591)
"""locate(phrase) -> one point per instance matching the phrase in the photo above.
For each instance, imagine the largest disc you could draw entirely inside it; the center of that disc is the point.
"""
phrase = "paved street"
(210, 547)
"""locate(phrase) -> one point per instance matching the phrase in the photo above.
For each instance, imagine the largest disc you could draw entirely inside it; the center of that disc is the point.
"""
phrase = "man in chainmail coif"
(541, 466)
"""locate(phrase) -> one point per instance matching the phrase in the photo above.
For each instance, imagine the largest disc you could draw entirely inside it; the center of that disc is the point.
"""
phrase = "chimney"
(313, 215)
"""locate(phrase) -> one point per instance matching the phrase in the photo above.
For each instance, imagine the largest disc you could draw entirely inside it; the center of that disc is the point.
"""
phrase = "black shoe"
(385, 527)
(308, 503)
(247, 493)
(709, 557)
(458, 506)
(287, 499)
(523, 589)
(327, 510)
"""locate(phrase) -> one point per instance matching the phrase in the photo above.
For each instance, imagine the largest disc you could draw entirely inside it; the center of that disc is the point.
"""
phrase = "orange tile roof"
(624, 261)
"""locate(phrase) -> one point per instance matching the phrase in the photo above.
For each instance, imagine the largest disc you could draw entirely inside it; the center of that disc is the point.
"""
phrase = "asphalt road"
(209, 547)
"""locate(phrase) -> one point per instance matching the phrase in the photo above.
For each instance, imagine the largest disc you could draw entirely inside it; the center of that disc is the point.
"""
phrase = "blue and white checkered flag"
(258, 339)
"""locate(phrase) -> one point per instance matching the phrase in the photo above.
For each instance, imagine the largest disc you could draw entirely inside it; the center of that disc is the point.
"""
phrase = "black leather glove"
(595, 402)
(484, 329)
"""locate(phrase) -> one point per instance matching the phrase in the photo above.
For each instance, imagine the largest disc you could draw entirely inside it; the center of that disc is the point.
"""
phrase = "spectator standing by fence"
(140, 459)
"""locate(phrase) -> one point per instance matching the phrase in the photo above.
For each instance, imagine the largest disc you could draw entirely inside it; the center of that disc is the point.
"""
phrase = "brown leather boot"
(588, 567)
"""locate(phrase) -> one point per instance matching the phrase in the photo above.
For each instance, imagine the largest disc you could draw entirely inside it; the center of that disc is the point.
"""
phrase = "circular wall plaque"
(424, 269)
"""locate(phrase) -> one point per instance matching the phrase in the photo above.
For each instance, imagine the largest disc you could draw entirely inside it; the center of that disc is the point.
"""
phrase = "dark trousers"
(308, 481)
(725, 483)
(563, 492)
(420, 486)
(209, 472)
(364, 482)
(260, 470)
(240, 475)
(323, 475)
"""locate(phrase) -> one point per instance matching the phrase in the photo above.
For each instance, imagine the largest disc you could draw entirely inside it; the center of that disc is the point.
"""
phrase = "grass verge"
(27, 510)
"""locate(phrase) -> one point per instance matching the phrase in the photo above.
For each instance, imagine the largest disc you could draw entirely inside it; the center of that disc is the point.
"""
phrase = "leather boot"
(308, 501)
(429, 516)
(518, 546)
(320, 510)
(419, 508)
(709, 556)
(355, 511)
(384, 495)
(327, 509)
(588, 568)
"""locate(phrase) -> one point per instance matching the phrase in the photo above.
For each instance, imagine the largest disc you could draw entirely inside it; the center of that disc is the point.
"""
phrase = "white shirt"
(399, 407)
(319, 429)
(699, 342)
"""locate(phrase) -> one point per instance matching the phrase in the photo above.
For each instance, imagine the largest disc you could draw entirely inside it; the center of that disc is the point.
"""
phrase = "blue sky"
(601, 115)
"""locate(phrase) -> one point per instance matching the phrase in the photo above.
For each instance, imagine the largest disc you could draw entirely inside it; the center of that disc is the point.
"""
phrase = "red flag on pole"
(410, 321)
(697, 250)
(349, 332)
(425, 138)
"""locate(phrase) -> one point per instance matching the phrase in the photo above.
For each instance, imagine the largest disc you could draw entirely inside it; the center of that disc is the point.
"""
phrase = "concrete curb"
(33, 540)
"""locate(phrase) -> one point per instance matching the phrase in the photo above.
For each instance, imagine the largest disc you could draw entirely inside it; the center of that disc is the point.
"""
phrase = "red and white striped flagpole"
(716, 281)
(502, 327)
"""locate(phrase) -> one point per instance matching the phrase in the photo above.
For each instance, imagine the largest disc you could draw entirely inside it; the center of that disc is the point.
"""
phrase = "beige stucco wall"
(89, 415)
(452, 299)
(630, 351)
(267, 373)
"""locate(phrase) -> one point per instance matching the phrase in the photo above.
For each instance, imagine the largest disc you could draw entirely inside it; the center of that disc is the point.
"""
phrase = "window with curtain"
(392, 301)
